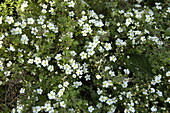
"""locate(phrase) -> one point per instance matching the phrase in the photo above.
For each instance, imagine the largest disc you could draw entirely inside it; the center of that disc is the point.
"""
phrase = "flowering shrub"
(71, 56)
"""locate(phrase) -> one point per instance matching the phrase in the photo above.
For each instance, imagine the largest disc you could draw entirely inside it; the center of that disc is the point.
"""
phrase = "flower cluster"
(64, 56)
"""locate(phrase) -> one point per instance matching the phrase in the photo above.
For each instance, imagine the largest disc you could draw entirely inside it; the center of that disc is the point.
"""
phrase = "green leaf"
(167, 32)
(139, 65)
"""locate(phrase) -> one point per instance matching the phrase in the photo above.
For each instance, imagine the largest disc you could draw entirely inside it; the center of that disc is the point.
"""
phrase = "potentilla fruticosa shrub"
(66, 56)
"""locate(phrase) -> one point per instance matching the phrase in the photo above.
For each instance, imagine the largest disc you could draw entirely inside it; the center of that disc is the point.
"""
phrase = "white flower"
(62, 104)
(120, 42)
(79, 72)
(126, 71)
(129, 95)
(153, 109)
(143, 38)
(51, 95)
(112, 73)
(84, 32)
(50, 68)
(113, 58)
(36, 109)
(44, 63)
(40, 21)
(120, 30)
(9, 64)
(152, 90)
(168, 100)
(24, 5)
(11, 48)
(168, 73)
(101, 49)
(77, 84)
(44, 11)
(30, 61)
(71, 14)
(90, 109)
(73, 53)
(125, 84)
(23, 24)
(22, 90)
(103, 98)
(83, 55)
(37, 60)
(107, 46)
(30, 21)
(168, 10)
(7, 73)
(128, 21)
(0, 19)
(24, 39)
(158, 78)
(99, 91)
(99, 23)
(159, 93)
(2, 37)
(99, 105)
(98, 77)
(105, 84)
(66, 83)
(60, 93)
(58, 57)
(39, 91)
(17, 24)
(9, 19)
(132, 109)
(67, 67)
(139, 1)
(1, 67)
(71, 4)
(16, 31)
(109, 101)
(50, 26)
(68, 71)
(87, 77)
(90, 52)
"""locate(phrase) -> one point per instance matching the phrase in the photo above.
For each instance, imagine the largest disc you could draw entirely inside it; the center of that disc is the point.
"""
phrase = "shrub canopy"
(100, 56)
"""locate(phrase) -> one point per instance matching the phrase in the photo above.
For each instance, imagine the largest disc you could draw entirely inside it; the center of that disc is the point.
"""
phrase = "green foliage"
(167, 32)
(140, 66)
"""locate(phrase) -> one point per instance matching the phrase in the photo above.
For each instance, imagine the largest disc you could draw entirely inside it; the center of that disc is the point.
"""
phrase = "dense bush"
(100, 56)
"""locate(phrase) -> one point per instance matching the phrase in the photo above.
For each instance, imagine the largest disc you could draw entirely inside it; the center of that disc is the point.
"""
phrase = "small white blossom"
(0, 19)
(153, 109)
(22, 90)
(71, 4)
(107, 46)
(9, 19)
(30, 21)
(113, 58)
(39, 91)
(37, 60)
(62, 104)
(24, 39)
(66, 83)
(98, 77)
(168, 73)
(50, 68)
(83, 55)
(168, 100)
(51, 95)
(90, 109)
(103, 98)
(44, 63)
(30, 61)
